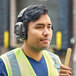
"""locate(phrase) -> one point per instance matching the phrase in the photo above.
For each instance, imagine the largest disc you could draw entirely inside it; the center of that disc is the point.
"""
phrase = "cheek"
(33, 36)
(51, 34)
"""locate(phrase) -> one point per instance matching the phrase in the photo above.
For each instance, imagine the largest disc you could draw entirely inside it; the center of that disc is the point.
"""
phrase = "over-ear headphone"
(19, 29)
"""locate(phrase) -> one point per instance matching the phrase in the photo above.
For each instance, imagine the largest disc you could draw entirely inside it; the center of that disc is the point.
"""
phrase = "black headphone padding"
(20, 31)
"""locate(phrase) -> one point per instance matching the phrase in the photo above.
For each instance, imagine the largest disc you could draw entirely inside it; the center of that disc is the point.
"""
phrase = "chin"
(45, 47)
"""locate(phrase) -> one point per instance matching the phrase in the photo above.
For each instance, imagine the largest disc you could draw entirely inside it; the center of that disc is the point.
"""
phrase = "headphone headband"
(21, 13)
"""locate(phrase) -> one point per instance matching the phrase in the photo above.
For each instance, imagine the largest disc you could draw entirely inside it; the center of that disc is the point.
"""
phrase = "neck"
(32, 53)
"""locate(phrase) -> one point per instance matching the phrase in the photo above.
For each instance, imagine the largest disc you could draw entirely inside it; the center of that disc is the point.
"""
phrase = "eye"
(50, 27)
(39, 27)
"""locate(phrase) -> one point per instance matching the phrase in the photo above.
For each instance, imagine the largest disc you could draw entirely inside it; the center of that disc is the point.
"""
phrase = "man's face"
(39, 33)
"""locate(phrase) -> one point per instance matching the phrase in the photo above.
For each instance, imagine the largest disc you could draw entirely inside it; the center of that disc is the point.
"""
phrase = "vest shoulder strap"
(9, 60)
(56, 60)
(52, 70)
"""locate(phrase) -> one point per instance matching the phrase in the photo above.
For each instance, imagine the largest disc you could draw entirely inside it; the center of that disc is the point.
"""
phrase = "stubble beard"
(38, 50)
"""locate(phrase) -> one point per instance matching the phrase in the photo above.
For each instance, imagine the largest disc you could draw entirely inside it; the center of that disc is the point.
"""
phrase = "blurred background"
(63, 16)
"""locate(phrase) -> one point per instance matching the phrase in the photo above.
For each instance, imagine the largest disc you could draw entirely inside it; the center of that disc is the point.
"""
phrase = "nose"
(46, 32)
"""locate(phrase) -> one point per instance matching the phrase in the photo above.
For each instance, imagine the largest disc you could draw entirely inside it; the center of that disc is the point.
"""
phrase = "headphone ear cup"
(20, 31)
(23, 32)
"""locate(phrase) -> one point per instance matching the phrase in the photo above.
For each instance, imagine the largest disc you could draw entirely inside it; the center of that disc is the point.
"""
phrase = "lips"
(45, 40)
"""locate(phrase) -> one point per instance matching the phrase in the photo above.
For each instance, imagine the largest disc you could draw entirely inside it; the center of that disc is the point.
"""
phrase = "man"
(35, 28)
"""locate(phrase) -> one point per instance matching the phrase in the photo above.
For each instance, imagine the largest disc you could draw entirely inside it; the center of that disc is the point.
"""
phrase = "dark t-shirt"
(39, 67)
(3, 71)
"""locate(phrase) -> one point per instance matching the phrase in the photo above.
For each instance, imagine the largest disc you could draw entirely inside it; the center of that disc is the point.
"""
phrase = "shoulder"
(56, 60)
(8, 56)
(4, 61)
(10, 53)
(55, 57)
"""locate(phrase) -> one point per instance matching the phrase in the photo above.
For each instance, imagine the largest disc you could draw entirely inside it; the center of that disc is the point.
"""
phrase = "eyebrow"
(43, 24)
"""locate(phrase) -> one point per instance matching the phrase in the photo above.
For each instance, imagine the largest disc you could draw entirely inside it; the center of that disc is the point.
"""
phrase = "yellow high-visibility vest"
(17, 64)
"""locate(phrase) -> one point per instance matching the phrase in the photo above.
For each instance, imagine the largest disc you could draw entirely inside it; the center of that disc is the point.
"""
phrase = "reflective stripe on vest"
(52, 71)
(17, 64)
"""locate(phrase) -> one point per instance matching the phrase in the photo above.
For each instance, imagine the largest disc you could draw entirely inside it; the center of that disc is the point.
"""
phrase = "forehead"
(44, 19)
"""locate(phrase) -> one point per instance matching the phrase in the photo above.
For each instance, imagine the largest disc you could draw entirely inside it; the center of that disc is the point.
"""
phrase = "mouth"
(45, 40)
